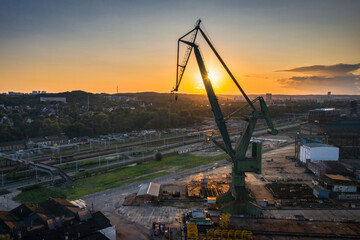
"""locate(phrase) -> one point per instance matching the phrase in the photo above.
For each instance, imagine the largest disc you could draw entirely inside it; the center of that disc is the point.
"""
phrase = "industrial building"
(321, 192)
(318, 152)
(268, 97)
(323, 114)
(339, 183)
(53, 99)
(327, 126)
(149, 192)
(345, 134)
(320, 168)
(339, 187)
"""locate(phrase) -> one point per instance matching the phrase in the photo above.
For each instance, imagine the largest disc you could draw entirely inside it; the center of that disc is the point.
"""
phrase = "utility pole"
(169, 115)
(2, 179)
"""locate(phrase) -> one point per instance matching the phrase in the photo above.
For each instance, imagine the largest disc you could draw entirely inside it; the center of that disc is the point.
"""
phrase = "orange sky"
(96, 47)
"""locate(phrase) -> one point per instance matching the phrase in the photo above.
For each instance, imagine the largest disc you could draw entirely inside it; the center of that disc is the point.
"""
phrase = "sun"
(214, 78)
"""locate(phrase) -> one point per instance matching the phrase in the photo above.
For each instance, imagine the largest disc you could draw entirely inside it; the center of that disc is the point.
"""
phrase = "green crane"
(237, 200)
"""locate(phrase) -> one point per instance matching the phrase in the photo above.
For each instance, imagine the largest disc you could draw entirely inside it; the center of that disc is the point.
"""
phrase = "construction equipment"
(200, 217)
(159, 229)
(228, 234)
(192, 231)
(224, 221)
(241, 163)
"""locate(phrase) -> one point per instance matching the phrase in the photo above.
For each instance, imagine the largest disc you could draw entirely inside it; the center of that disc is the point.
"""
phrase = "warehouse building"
(339, 183)
(318, 152)
(149, 192)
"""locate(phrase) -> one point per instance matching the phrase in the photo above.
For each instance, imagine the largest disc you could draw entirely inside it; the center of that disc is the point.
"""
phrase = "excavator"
(237, 201)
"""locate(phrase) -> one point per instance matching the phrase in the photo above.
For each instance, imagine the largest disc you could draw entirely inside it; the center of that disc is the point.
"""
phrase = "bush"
(158, 156)
(31, 187)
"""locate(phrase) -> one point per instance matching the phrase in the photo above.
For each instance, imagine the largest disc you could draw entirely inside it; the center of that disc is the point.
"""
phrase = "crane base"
(238, 207)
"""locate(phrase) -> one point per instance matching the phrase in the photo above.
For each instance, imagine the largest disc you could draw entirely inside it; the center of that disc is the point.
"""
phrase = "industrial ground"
(134, 222)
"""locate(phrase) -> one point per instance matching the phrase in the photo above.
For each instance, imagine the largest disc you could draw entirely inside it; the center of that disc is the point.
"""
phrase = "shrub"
(158, 156)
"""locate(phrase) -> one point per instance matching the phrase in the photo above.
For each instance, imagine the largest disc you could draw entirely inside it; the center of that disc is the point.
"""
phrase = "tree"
(158, 156)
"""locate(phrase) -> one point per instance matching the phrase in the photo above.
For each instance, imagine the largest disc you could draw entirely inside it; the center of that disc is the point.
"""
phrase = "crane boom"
(215, 107)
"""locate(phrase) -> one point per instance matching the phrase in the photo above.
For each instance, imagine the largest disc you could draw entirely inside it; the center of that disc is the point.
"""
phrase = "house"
(12, 146)
(55, 219)
(47, 141)
(8, 120)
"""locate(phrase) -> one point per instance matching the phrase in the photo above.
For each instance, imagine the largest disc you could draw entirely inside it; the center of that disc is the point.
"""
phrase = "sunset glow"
(97, 47)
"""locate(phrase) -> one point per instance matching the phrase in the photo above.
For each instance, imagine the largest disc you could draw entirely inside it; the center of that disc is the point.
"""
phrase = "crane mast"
(238, 196)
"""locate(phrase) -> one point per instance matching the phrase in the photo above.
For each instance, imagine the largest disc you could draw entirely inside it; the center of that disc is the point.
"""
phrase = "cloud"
(341, 84)
(321, 78)
(336, 69)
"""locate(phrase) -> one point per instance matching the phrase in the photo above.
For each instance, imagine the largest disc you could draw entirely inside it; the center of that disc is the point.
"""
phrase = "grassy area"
(118, 177)
(4, 191)
(38, 195)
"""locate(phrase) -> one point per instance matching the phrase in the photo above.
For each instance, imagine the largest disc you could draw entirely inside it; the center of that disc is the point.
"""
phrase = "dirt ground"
(296, 227)
(128, 229)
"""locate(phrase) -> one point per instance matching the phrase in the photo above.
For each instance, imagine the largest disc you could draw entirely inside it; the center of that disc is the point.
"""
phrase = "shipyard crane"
(237, 200)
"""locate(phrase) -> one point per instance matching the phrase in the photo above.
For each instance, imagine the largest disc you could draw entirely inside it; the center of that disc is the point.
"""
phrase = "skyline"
(280, 47)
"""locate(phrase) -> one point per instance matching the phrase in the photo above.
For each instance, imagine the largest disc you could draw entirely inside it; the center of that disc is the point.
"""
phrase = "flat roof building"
(318, 152)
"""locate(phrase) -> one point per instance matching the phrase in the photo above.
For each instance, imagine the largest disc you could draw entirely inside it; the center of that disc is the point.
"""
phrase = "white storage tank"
(318, 152)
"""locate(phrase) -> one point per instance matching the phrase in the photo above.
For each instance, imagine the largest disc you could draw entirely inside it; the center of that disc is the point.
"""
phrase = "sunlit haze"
(282, 47)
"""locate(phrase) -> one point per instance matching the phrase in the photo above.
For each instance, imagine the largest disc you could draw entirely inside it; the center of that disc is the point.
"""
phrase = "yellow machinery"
(224, 233)
(214, 234)
(224, 221)
(192, 231)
